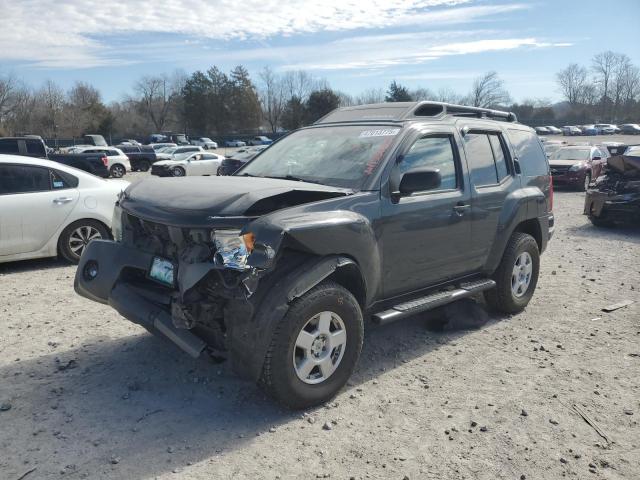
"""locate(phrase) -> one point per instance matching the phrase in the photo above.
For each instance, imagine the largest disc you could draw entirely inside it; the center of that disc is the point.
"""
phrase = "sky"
(355, 45)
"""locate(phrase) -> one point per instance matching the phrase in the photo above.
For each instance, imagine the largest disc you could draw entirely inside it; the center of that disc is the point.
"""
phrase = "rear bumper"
(148, 308)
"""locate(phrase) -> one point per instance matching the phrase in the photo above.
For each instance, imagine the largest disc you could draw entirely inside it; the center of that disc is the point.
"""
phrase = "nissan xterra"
(375, 211)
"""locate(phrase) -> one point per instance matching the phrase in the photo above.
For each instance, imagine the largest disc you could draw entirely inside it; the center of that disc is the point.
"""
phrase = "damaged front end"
(614, 197)
(198, 278)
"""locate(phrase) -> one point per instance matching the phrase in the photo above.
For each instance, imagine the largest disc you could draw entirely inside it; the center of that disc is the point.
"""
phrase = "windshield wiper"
(294, 179)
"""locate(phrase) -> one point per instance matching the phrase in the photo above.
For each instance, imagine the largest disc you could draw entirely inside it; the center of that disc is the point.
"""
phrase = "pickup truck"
(94, 163)
(376, 212)
(141, 157)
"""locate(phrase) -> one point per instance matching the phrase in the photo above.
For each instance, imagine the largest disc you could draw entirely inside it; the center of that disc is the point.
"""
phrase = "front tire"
(77, 236)
(517, 275)
(314, 348)
(178, 172)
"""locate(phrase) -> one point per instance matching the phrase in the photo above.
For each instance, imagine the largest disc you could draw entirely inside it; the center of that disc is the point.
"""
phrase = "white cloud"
(80, 33)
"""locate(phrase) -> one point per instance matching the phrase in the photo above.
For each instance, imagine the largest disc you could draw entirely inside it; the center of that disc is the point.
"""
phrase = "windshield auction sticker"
(383, 132)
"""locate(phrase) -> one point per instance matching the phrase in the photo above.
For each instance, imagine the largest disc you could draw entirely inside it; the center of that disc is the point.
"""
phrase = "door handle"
(460, 208)
(62, 200)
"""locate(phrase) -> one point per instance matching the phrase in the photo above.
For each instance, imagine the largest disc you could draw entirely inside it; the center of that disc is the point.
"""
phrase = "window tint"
(500, 155)
(9, 146)
(531, 156)
(480, 158)
(432, 152)
(35, 147)
(70, 181)
(112, 153)
(23, 179)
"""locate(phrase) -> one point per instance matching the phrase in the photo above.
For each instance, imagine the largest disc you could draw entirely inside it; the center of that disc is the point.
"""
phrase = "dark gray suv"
(376, 211)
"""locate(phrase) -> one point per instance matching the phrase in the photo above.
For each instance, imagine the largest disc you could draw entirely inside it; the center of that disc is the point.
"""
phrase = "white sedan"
(197, 163)
(49, 209)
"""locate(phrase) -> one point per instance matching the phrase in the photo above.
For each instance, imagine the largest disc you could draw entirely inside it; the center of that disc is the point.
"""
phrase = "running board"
(434, 300)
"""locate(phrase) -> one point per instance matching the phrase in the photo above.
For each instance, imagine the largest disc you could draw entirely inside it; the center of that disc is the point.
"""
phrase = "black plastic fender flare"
(250, 327)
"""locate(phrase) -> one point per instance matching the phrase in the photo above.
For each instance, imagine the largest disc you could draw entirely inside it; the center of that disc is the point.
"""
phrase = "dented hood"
(197, 201)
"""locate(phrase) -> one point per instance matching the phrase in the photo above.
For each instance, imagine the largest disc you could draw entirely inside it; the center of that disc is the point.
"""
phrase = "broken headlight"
(232, 248)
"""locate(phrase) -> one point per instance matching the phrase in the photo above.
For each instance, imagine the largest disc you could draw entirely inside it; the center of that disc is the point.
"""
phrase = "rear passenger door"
(492, 179)
(426, 235)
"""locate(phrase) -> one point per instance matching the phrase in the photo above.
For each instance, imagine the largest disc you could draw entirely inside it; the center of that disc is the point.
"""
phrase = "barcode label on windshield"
(383, 132)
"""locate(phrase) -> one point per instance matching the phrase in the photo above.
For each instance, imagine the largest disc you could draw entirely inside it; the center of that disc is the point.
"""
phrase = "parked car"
(50, 209)
(571, 130)
(141, 157)
(157, 146)
(169, 137)
(550, 147)
(589, 130)
(233, 162)
(130, 141)
(553, 130)
(374, 211)
(576, 165)
(630, 129)
(614, 197)
(95, 140)
(234, 143)
(605, 129)
(260, 140)
(117, 161)
(542, 131)
(94, 163)
(204, 142)
(176, 153)
(196, 163)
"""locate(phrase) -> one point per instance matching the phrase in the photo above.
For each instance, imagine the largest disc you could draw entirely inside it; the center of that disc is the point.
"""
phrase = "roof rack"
(399, 111)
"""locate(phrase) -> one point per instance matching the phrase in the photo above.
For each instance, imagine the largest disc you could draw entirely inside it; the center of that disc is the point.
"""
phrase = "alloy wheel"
(81, 237)
(521, 274)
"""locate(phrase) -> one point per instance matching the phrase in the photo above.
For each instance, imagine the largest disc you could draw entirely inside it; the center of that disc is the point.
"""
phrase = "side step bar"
(431, 301)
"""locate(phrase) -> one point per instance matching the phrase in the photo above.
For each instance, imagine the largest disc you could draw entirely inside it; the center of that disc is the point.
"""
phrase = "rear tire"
(77, 236)
(117, 171)
(511, 295)
(144, 166)
(314, 348)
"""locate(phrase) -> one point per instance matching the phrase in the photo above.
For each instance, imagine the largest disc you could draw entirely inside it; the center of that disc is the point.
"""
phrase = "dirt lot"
(86, 394)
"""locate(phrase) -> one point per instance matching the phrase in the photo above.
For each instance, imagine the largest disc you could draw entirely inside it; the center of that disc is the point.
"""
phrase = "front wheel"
(314, 348)
(178, 172)
(517, 275)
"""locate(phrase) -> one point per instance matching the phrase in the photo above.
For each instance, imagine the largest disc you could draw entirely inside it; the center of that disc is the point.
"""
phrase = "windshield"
(342, 156)
(205, 139)
(571, 154)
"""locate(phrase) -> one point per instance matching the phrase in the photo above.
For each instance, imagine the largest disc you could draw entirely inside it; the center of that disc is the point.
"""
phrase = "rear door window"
(24, 179)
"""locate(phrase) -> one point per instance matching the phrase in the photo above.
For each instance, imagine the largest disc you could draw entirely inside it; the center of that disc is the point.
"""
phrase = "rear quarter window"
(529, 152)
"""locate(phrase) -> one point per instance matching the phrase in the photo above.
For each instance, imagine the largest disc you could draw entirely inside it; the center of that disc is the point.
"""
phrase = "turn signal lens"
(249, 241)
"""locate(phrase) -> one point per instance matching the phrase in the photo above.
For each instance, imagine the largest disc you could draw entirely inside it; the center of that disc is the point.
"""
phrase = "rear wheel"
(144, 166)
(117, 171)
(517, 275)
(314, 348)
(178, 172)
(74, 239)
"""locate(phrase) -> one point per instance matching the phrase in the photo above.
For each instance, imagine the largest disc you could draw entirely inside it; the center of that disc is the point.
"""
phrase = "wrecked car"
(374, 212)
(614, 197)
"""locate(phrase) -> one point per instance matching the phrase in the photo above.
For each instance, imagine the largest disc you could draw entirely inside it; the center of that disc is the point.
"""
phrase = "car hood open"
(199, 201)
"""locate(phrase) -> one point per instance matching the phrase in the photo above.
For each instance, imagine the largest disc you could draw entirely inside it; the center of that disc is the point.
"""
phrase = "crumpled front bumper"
(148, 308)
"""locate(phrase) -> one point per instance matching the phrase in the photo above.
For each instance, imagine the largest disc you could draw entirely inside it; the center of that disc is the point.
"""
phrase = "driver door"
(426, 236)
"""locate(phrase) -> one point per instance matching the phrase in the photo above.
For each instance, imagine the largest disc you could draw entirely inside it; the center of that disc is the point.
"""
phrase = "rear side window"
(36, 148)
(9, 146)
(61, 180)
(499, 155)
(24, 179)
(480, 157)
(433, 152)
(528, 150)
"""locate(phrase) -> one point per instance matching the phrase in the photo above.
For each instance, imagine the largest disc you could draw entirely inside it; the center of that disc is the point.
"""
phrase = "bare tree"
(48, 104)
(299, 83)
(158, 96)
(272, 97)
(448, 95)
(488, 91)
(8, 90)
(603, 66)
(572, 82)
(422, 94)
(373, 95)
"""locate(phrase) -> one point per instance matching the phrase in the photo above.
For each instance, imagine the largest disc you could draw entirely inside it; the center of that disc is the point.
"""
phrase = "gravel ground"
(86, 394)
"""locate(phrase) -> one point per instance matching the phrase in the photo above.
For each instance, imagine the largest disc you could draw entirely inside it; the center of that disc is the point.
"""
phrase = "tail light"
(550, 193)
(105, 161)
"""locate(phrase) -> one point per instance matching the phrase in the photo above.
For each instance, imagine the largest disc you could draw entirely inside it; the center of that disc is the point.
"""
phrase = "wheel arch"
(531, 227)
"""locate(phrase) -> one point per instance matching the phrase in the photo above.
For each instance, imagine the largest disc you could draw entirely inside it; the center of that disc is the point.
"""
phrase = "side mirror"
(420, 179)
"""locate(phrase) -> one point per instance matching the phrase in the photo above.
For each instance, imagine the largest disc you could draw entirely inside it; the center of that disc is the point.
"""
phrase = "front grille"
(158, 170)
(560, 170)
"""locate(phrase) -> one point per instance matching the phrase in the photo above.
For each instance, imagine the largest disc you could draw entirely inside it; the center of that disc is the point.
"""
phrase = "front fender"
(252, 323)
